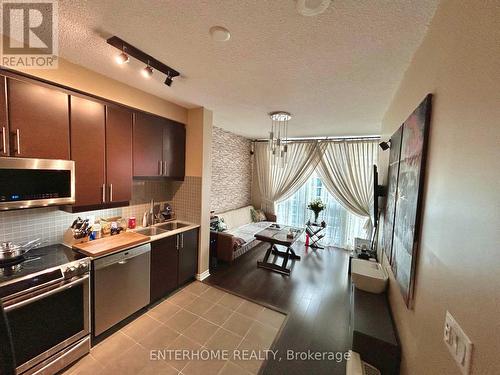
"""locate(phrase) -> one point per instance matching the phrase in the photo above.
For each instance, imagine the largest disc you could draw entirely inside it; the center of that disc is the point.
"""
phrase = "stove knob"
(83, 267)
(70, 271)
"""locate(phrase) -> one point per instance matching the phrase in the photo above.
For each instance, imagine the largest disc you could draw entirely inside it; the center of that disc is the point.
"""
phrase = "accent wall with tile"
(231, 171)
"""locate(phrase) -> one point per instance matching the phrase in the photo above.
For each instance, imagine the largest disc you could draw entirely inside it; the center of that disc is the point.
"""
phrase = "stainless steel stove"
(46, 297)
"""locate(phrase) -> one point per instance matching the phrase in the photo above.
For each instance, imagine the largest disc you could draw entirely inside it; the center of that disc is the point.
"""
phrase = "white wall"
(458, 266)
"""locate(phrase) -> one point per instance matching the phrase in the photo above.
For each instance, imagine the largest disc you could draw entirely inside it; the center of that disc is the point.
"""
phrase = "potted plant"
(316, 206)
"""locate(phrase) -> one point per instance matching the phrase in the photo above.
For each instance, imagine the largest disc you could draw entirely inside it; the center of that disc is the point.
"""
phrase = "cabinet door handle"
(103, 193)
(182, 240)
(177, 242)
(160, 168)
(4, 140)
(111, 192)
(164, 168)
(18, 141)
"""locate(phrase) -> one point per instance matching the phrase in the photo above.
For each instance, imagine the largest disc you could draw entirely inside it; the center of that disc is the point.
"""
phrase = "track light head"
(385, 145)
(168, 80)
(147, 72)
(122, 58)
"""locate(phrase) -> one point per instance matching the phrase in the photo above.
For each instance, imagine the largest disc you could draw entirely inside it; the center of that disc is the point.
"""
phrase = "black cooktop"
(37, 260)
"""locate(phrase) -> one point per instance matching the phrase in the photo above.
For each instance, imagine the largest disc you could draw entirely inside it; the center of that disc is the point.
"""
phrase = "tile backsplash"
(49, 224)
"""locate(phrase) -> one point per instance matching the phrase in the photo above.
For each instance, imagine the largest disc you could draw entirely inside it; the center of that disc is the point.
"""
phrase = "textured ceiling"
(336, 72)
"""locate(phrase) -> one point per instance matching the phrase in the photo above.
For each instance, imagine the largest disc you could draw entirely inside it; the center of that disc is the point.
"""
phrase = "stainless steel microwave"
(27, 183)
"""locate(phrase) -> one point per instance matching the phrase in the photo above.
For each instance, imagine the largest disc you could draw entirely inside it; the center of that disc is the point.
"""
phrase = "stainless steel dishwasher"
(121, 286)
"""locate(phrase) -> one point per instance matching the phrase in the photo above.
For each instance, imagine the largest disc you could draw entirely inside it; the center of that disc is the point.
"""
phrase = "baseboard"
(202, 276)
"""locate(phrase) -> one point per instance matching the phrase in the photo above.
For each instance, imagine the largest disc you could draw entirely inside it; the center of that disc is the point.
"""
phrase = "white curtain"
(346, 169)
(278, 181)
(342, 225)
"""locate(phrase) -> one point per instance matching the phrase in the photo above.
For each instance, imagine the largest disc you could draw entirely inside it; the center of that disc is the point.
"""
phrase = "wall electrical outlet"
(458, 343)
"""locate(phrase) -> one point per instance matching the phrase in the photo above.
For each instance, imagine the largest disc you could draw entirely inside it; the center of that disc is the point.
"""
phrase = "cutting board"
(110, 244)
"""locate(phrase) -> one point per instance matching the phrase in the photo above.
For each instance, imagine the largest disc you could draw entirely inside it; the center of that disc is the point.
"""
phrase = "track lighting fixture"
(168, 80)
(385, 145)
(122, 58)
(127, 50)
(147, 72)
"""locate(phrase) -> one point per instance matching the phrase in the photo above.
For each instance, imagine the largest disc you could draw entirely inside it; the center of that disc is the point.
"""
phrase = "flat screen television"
(378, 191)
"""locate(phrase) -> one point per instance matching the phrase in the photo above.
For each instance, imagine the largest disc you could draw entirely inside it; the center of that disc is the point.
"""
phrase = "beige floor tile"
(271, 318)
(111, 347)
(254, 365)
(164, 311)
(250, 309)
(217, 314)
(213, 294)
(141, 327)
(182, 298)
(261, 334)
(203, 367)
(199, 306)
(160, 338)
(231, 368)
(230, 301)
(238, 323)
(158, 367)
(181, 343)
(196, 288)
(130, 362)
(200, 331)
(85, 366)
(181, 321)
(223, 340)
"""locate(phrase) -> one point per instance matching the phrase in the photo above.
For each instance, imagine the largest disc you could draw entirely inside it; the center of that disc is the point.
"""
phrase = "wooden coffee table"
(277, 235)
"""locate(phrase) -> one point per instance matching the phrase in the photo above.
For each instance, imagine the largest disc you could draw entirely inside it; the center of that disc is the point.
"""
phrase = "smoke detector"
(319, 6)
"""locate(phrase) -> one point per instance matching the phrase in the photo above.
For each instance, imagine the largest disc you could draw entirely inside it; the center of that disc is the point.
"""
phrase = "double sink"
(161, 228)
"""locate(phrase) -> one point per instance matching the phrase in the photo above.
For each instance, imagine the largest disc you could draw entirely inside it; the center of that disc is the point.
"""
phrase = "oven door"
(46, 321)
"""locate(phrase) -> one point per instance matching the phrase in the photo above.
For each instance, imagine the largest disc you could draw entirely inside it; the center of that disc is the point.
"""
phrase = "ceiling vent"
(318, 7)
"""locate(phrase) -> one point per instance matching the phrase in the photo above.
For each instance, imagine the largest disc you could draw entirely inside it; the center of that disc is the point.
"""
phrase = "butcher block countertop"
(111, 244)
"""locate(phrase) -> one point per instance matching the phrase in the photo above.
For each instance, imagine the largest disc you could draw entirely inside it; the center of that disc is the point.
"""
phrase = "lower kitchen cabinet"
(164, 263)
(174, 261)
(188, 255)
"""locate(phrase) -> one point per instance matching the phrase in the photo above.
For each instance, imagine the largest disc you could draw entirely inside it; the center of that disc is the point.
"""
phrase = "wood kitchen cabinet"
(38, 121)
(164, 263)
(101, 146)
(174, 149)
(159, 147)
(4, 124)
(188, 255)
(88, 151)
(119, 153)
(148, 145)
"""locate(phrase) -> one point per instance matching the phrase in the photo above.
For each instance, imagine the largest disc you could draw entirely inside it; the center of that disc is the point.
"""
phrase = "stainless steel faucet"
(149, 217)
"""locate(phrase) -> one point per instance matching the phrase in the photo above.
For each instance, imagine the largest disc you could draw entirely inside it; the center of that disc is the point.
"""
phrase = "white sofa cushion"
(236, 218)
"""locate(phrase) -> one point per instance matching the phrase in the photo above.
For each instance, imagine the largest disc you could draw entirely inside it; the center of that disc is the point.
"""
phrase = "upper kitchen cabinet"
(174, 150)
(148, 145)
(38, 121)
(119, 153)
(88, 150)
(4, 124)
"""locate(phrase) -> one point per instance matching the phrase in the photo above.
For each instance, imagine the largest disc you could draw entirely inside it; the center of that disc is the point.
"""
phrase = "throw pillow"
(257, 215)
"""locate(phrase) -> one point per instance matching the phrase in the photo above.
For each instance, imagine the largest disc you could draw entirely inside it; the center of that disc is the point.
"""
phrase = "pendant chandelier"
(278, 136)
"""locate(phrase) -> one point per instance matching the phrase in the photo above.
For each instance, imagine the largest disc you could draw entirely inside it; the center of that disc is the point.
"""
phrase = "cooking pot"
(10, 252)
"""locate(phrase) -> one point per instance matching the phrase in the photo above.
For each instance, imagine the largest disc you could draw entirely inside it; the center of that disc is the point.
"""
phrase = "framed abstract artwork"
(408, 202)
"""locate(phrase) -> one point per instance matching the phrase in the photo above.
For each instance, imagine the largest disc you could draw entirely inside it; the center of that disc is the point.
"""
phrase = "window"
(341, 226)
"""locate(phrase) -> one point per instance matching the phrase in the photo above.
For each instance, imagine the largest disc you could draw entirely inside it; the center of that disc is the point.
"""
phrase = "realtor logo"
(29, 34)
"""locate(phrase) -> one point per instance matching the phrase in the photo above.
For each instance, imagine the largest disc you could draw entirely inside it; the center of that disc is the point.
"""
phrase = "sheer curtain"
(278, 181)
(346, 169)
(342, 225)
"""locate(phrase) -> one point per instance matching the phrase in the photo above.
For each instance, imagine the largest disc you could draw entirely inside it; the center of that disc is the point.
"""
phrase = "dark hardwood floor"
(315, 296)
